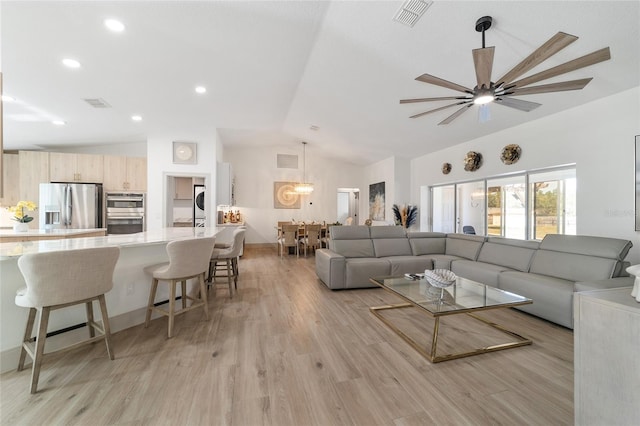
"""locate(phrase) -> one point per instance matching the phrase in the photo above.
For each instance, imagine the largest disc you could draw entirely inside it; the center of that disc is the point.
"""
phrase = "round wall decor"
(472, 161)
(446, 168)
(511, 154)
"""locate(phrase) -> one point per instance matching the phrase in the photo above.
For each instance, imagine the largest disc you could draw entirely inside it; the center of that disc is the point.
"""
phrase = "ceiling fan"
(501, 90)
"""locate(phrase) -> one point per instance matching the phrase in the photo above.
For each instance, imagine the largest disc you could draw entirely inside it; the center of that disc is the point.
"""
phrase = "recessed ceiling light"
(7, 98)
(201, 89)
(114, 25)
(71, 63)
(136, 117)
(59, 122)
(314, 127)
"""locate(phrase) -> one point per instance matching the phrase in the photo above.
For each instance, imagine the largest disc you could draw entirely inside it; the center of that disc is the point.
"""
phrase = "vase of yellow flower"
(20, 216)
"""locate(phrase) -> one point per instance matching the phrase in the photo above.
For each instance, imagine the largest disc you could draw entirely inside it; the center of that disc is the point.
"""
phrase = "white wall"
(255, 170)
(160, 165)
(395, 172)
(598, 137)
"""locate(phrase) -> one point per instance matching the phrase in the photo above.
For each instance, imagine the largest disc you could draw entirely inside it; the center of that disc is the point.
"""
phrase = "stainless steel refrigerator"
(70, 205)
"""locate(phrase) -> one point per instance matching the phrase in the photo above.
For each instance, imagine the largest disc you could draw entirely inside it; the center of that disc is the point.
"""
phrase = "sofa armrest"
(330, 268)
(604, 284)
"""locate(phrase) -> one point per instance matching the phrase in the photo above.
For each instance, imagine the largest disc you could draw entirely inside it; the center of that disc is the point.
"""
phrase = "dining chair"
(187, 259)
(289, 238)
(60, 279)
(311, 238)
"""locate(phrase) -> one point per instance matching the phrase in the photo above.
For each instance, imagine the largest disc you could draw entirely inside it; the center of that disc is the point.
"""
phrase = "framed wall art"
(284, 196)
(376, 201)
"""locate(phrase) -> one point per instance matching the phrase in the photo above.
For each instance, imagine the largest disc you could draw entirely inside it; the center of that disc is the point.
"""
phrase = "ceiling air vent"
(411, 11)
(286, 161)
(97, 102)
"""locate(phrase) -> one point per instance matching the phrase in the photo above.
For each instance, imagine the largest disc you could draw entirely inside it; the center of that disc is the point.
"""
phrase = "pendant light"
(304, 188)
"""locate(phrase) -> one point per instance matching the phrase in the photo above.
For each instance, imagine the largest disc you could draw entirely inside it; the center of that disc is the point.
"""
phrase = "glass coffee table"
(464, 297)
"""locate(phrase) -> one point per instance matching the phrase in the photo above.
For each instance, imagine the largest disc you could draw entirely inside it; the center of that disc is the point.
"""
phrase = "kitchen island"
(126, 302)
(11, 236)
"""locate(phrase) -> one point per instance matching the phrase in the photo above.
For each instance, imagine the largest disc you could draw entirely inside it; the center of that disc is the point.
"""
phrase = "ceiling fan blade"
(525, 106)
(583, 61)
(542, 53)
(483, 62)
(437, 109)
(553, 87)
(446, 98)
(426, 78)
(455, 115)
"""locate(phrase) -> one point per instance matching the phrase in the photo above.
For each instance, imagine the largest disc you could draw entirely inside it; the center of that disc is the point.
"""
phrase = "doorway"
(181, 194)
(348, 205)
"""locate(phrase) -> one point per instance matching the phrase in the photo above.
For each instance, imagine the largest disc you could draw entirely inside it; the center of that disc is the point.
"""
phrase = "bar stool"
(187, 259)
(58, 280)
(228, 259)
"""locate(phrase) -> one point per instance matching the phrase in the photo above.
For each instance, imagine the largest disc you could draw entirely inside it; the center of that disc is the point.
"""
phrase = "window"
(506, 207)
(553, 197)
(529, 205)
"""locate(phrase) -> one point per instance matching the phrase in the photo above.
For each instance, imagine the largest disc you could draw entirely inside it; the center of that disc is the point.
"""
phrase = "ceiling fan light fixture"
(483, 96)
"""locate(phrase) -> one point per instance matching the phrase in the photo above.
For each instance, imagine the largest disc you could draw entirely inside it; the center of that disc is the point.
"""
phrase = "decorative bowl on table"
(440, 278)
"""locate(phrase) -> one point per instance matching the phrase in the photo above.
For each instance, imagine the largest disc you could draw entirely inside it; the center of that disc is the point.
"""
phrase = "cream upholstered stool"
(226, 260)
(57, 280)
(187, 259)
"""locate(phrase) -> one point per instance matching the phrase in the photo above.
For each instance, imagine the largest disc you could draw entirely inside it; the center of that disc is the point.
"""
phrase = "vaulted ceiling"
(274, 69)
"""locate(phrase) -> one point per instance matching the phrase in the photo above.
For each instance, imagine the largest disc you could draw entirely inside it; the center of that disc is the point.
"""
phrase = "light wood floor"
(288, 351)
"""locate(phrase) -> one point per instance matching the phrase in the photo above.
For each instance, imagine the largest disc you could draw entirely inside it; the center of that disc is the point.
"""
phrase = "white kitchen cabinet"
(225, 194)
(67, 167)
(606, 366)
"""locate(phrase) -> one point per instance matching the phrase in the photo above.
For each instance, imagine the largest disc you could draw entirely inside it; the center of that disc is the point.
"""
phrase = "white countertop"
(39, 232)
(158, 236)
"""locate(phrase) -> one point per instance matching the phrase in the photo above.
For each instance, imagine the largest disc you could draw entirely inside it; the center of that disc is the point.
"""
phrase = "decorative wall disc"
(511, 154)
(446, 168)
(472, 161)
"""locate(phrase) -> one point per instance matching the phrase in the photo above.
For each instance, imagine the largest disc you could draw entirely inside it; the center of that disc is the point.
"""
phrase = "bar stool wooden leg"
(41, 336)
(203, 296)
(90, 321)
(229, 273)
(172, 306)
(27, 337)
(152, 298)
(183, 296)
(106, 328)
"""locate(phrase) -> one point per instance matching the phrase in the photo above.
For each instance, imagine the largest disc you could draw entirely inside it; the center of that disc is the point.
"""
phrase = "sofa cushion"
(349, 232)
(611, 248)
(485, 273)
(351, 241)
(514, 254)
(443, 261)
(358, 271)
(387, 232)
(391, 247)
(353, 248)
(427, 242)
(401, 265)
(552, 297)
(573, 267)
(462, 245)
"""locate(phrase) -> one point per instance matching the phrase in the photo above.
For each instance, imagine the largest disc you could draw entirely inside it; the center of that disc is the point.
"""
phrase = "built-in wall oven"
(124, 212)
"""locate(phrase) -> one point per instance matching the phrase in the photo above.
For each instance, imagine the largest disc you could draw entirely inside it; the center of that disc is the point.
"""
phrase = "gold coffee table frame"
(432, 309)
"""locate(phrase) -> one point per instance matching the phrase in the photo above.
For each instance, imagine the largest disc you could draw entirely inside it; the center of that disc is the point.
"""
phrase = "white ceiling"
(273, 69)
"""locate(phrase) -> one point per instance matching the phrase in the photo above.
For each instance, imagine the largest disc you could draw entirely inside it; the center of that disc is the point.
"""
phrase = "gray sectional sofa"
(549, 272)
